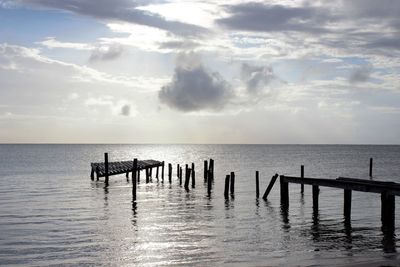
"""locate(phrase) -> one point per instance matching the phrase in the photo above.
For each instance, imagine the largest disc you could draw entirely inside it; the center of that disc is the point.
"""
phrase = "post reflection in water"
(389, 239)
(285, 217)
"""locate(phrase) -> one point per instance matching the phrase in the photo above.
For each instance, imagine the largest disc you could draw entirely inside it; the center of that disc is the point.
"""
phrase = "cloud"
(272, 18)
(360, 74)
(257, 78)
(118, 10)
(195, 88)
(105, 53)
(125, 110)
(51, 43)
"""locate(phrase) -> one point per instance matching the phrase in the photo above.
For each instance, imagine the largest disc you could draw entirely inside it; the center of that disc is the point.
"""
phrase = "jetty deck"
(120, 167)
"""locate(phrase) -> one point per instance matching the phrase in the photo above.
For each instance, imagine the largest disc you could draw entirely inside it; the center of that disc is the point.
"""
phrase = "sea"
(53, 214)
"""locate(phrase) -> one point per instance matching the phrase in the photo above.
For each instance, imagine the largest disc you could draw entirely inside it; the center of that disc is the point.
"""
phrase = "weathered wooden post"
(157, 172)
(370, 167)
(270, 185)
(169, 172)
(315, 196)
(138, 175)
(284, 193)
(180, 175)
(205, 170)
(209, 185)
(97, 172)
(257, 185)
(177, 170)
(106, 167)
(134, 171)
(211, 170)
(162, 171)
(387, 210)
(347, 205)
(226, 192)
(187, 177)
(232, 183)
(302, 176)
(151, 174)
(147, 175)
(92, 174)
(193, 177)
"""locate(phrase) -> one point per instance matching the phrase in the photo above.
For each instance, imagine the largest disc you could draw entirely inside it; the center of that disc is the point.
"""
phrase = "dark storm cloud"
(106, 53)
(118, 10)
(272, 18)
(360, 75)
(125, 110)
(195, 88)
(256, 78)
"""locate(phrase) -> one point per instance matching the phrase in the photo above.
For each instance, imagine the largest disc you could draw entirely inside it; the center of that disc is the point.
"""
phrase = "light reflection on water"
(51, 213)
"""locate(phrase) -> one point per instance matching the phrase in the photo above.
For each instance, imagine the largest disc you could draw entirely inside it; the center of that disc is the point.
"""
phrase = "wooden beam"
(269, 188)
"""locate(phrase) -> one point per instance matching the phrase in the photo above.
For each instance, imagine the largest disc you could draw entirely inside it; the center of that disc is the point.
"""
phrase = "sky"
(257, 72)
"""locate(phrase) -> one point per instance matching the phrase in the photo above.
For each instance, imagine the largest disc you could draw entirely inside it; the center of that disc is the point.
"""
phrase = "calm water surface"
(51, 213)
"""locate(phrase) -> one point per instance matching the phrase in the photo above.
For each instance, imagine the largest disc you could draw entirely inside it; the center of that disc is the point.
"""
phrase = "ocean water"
(52, 214)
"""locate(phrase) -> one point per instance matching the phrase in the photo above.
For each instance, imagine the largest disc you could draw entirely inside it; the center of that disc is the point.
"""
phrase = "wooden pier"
(121, 167)
(388, 191)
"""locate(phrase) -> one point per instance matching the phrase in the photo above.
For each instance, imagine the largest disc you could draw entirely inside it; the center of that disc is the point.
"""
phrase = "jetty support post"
(211, 170)
(151, 173)
(187, 177)
(97, 173)
(138, 175)
(92, 174)
(284, 193)
(147, 175)
(193, 176)
(180, 176)
(315, 196)
(205, 170)
(209, 186)
(232, 183)
(106, 168)
(302, 176)
(177, 170)
(134, 172)
(387, 211)
(226, 192)
(370, 166)
(157, 172)
(347, 205)
(257, 185)
(169, 172)
(270, 185)
(162, 171)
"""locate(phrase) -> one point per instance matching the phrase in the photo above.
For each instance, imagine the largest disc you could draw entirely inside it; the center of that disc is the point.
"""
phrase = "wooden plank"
(269, 188)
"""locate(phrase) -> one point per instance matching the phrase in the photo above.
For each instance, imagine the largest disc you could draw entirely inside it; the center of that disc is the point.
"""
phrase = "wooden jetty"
(119, 167)
(388, 191)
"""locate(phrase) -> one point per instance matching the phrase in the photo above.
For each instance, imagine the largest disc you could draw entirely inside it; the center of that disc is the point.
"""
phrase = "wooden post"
(97, 173)
(193, 177)
(257, 185)
(147, 175)
(169, 172)
(387, 211)
(180, 175)
(211, 170)
(209, 185)
(205, 170)
(315, 196)
(92, 174)
(106, 167)
(127, 176)
(177, 170)
(270, 185)
(284, 193)
(226, 192)
(134, 171)
(347, 205)
(138, 175)
(157, 172)
(232, 183)
(302, 176)
(187, 177)
(370, 167)
(151, 174)
(162, 171)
